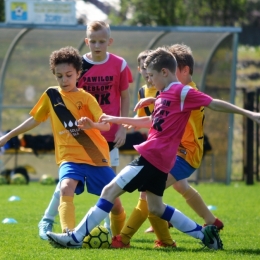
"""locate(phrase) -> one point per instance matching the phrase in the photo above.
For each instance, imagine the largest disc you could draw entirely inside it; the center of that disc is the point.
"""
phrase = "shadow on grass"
(176, 249)
(244, 252)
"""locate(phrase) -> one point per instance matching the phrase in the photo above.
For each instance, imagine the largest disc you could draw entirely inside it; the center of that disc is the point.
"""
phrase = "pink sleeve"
(196, 99)
(124, 78)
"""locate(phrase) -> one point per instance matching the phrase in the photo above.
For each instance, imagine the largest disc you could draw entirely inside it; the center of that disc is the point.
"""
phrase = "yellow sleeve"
(41, 111)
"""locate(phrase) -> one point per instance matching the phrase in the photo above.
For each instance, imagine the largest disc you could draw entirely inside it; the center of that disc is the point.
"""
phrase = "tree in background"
(185, 12)
(2, 11)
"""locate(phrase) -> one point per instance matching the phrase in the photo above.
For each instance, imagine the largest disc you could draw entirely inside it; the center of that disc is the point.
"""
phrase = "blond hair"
(98, 25)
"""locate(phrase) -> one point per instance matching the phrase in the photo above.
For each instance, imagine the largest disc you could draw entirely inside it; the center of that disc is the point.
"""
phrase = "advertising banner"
(40, 12)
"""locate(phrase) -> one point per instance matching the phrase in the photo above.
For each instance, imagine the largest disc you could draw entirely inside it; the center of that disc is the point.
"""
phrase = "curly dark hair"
(68, 55)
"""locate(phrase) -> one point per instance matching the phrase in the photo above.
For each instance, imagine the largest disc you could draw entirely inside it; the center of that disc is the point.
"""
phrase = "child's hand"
(144, 102)
(85, 123)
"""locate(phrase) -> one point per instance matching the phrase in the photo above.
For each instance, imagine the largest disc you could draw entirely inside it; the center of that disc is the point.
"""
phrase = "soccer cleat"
(117, 242)
(45, 225)
(218, 223)
(67, 240)
(151, 230)
(160, 244)
(211, 237)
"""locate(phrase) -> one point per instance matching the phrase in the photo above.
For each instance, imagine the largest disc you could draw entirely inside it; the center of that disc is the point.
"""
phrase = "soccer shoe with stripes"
(150, 229)
(117, 242)
(67, 240)
(211, 237)
(218, 223)
(160, 244)
(44, 226)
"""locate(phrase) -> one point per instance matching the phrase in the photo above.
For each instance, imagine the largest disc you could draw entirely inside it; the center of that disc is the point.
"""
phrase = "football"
(18, 179)
(47, 179)
(99, 237)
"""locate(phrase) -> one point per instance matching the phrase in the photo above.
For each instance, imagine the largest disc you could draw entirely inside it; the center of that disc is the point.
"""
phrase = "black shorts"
(142, 175)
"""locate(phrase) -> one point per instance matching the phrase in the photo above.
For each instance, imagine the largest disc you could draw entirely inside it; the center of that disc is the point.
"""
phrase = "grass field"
(237, 206)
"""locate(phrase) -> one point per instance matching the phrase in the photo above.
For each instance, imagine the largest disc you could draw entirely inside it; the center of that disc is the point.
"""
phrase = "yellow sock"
(195, 201)
(161, 229)
(117, 222)
(67, 213)
(136, 219)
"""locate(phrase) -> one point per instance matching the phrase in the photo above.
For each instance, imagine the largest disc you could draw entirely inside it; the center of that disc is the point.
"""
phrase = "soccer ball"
(18, 179)
(47, 179)
(99, 237)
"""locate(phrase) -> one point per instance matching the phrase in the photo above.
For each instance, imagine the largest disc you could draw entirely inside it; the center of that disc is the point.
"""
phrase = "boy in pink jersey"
(149, 172)
(105, 76)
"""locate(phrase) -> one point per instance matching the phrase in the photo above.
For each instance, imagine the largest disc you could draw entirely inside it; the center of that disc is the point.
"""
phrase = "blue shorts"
(95, 177)
(181, 169)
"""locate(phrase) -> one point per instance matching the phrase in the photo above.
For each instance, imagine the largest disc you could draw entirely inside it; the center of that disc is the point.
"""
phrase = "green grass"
(237, 205)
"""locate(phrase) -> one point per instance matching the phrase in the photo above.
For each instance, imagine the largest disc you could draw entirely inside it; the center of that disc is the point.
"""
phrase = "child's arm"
(85, 123)
(140, 122)
(120, 135)
(27, 125)
(144, 102)
(223, 106)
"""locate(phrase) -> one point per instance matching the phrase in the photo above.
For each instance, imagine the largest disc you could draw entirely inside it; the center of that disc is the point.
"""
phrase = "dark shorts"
(181, 169)
(142, 175)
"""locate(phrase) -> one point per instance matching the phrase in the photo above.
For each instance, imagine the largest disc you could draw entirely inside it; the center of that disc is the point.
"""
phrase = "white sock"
(182, 222)
(94, 216)
(107, 222)
(52, 211)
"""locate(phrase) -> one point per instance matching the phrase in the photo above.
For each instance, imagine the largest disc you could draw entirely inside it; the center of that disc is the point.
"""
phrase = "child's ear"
(139, 70)
(86, 41)
(110, 41)
(164, 72)
(186, 69)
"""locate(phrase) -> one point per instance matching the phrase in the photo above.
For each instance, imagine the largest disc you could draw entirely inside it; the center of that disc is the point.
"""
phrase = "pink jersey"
(105, 80)
(171, 113)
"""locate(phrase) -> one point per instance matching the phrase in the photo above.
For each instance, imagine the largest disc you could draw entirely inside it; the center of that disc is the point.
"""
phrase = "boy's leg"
(178, 178)
(66, 207)
(114, 160)
(47, 221)
(208, 235)
(129, 179)
(195, 201)
(93, 218)
(161, 230)
(118, 217)
(136, 219)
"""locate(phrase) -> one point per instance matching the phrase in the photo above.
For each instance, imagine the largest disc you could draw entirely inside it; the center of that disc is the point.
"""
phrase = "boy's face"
(98, 41)
(143, 72)
(156, 78)
(67, 76)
